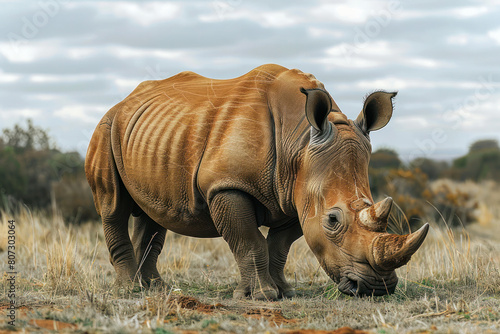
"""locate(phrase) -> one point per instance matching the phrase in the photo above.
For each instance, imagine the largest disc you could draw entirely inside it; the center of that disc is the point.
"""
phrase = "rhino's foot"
(150, 276)
(261, 294)
(265, 294)
(285, 290)
(258, 293)
(290, 293)
(123, 286)
(156, 283)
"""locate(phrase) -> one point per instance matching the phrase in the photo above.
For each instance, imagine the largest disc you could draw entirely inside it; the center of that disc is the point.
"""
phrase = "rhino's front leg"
(233, 214)
(279, 240)
(148, 239)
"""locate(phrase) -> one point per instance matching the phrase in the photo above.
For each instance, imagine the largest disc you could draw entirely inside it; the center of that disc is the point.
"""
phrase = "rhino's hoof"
(287, 294)
(258, 294)
(123, 282)
(239, 294)
(156, 283)
(265, 294)
(122, 287)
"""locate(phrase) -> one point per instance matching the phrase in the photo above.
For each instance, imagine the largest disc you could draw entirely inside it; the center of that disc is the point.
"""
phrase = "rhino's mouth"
(356, 285)
(348, 286)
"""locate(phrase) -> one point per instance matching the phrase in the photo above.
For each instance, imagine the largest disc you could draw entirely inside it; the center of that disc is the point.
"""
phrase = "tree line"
(421, 187)
(35, 173)
(482, 162)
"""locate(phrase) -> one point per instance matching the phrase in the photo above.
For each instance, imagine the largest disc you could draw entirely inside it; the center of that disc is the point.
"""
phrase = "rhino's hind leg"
(233, 213)
(148, 239)
(119, 246)
(279, 241)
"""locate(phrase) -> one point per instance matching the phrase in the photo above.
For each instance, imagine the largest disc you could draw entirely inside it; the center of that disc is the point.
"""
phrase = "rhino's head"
(344, 228)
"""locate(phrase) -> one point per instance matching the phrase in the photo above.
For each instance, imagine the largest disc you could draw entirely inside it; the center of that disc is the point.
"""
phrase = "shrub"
(432, 168)
(73, 198)
(416, 196)
(454, 204)
(481, 163)
(34, 172)
(419, 199)
(385, 158)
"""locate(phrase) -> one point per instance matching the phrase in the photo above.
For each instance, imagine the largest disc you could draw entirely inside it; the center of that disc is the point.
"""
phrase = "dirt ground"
(273, 317)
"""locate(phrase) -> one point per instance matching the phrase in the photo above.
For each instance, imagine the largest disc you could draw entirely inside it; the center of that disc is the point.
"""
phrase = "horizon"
(439, 155)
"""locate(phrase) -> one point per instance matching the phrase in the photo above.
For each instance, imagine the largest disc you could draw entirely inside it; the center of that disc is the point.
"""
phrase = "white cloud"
(279, 19)
(470, 11)
(82, 113)
(458, 12)
(46, 97)
(24, 112)
(143, 13)
(411, 122)
(422, 62)
(495, 35)
(44, 78)
(29, 50)
(352, 12)
(322, 32)
(366, 55)
(480, 114)
(47, 78)
(398, 83)
(388, 83)
(224, 11)
(9, 78)
(130, 52)
(460, 39)
(80, 52)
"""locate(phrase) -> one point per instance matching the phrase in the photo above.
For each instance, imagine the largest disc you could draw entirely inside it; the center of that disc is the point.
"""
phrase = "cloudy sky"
(64, 63)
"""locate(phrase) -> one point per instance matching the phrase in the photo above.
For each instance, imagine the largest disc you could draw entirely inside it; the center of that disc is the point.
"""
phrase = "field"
(64, 283)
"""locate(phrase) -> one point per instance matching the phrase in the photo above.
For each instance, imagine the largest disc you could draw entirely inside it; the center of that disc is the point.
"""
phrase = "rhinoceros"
(220, 158)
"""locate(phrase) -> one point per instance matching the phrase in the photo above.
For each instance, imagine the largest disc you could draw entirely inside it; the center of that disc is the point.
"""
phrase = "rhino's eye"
(333, 226)
(333, 218)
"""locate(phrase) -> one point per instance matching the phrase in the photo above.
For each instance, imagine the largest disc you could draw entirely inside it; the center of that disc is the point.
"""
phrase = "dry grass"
(451, 285)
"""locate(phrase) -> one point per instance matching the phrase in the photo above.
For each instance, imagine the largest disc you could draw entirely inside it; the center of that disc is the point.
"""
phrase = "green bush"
(385, 158)
(482, 162)
(432, 168)
(35, 173)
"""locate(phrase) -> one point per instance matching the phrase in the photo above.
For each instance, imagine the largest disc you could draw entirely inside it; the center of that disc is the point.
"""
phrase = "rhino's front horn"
(391, 251)
(375, 217)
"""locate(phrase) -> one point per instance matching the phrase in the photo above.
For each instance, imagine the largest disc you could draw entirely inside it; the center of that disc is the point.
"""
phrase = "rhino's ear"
(318, 106)
(377, 111)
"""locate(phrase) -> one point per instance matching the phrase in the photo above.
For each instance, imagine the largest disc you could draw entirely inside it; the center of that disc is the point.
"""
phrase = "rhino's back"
(178, 141)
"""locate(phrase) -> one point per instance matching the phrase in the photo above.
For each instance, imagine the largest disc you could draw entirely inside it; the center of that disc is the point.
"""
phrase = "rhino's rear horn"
(375, 217)
(391, 251)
